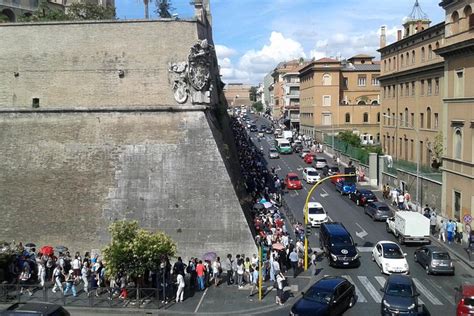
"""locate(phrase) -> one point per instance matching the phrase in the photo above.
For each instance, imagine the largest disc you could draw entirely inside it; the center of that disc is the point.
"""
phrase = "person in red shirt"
(200, 271)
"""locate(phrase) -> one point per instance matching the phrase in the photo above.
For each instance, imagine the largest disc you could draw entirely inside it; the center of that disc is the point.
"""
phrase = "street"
(436, 292)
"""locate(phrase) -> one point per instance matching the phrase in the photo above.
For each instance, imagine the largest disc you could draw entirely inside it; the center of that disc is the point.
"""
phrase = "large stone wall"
(77, 64)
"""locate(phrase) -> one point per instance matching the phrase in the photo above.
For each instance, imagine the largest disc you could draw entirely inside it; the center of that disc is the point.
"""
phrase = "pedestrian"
(255, 279)
(41, 271)
(240, 272)
(179, 267)
(401, 201)
(24, 280)
(394, 196)
(450, 229)
(433, 222)
(85, 275)
(57, 279)
(216, 271)
(442, 231)
(227, 266)
(314, 260)
(180, 292)
(76, 265)
(280, 278)
(294, 262)
(427, 211)
(459, 231)
(71, 283)
(200, 271)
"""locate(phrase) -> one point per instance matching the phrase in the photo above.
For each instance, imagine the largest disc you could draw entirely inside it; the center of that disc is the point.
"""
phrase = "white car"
(320, 163)
(316, 214)
(311, 175)
(389, 257)
(273, 153)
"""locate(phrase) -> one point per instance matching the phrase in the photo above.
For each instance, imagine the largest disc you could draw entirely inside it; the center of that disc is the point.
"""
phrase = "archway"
(9, 14)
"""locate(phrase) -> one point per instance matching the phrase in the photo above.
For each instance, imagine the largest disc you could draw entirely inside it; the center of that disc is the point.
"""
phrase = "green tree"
(350, 138)
(258, 106)
(90, 11)
(163, 8)
(253, 94)
(45, 13)
(135, 250)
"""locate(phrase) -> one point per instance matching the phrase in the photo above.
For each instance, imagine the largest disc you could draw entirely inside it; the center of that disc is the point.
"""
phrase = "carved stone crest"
(192, 78)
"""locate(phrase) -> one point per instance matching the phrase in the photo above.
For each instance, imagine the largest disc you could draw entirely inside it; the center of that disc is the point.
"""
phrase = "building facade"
(340, 95)
(457, 49)
(237, 94)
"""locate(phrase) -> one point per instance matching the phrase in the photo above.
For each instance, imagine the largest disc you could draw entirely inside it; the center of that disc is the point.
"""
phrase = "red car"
(465, 300)
(308, 158)
(292, 182)
(336, 179)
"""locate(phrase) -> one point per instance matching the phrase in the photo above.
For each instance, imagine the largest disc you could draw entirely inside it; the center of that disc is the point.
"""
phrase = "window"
(348, 117)
(389, 91)
(385, 65)
(378, 117)
(400, 120)
(436, 92)
(412, 149)
(389, 116)
(405, 119)
(393, 93)
(401, 61)
(430, 52)
(457, 143)
(326, 100)
(412, 121)
(413, 88)
(327, 80)
(375, 80)
(413, 57)
(366, 117)
(428, 118)
(327, 119)
(375, 102)
(407, 89)
(457, 204)
(401, 89)
(459, 83)
(422, 54)
(408, 58)
(389, 64)
(384, 92)
(361, 102)
(422, 120)
(454, 23)
(436, 121)
(361, 81)
(384, 118)
(422, 87)
(430, 87)
(400, 145)
(345, 82)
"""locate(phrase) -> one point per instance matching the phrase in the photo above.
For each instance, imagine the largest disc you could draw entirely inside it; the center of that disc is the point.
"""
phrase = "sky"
(252, 36)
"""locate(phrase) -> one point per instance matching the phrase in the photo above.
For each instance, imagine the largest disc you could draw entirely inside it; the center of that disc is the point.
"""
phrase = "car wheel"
(400, 240)
(427, 270)
(387, 228)
(352, 302)
(415, 257)
(357, 202)
(373, 258)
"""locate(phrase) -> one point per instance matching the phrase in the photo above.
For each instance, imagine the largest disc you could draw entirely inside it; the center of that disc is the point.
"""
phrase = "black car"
(400, 296)
(253, 128)
(269, 130)
(379, 211)
(434, 259)
(362, 196)
(330, 171)
(332, 295)
(35, 308)
(338, 245)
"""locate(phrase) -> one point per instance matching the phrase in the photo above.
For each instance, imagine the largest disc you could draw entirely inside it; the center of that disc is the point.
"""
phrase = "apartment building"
(457, 49)
(411, 80)
(340, 95)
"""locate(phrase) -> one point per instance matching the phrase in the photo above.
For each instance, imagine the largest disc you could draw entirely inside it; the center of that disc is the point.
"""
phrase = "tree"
(163, 8)
(90, 11)
(253, 94)
(134, 250)
(146, 3)
(350, 138)
(258, 106)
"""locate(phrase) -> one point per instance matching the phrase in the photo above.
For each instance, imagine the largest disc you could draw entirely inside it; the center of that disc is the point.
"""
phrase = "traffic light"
(309, 232)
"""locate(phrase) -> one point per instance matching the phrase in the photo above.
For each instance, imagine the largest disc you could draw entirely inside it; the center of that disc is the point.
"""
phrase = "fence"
(357, 153)
(410, 167)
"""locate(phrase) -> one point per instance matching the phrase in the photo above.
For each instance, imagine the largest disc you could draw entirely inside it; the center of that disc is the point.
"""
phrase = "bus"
(283, 146)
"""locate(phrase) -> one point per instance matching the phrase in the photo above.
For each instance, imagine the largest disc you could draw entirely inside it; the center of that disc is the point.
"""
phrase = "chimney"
(383, 38)
(399, 35)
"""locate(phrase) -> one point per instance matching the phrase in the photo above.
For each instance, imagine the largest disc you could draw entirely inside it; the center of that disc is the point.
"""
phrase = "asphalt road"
(437, 292)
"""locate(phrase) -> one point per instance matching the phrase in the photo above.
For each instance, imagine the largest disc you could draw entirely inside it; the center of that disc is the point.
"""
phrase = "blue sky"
(252, 36)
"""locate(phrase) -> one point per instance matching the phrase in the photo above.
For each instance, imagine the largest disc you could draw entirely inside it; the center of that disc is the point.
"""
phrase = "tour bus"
(283, 146)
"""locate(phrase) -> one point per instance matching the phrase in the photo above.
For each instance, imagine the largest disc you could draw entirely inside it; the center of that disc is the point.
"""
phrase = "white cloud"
(223, 51)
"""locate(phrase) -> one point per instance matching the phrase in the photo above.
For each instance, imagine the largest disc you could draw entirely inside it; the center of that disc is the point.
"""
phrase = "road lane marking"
(200, 301)
(443, 293)
(420, 287)
(324, 194)
(381, 280)
(361, 234)
(360, 298)
(370, 288)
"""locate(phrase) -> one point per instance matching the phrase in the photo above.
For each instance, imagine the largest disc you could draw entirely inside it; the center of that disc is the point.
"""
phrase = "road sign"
(467, 219)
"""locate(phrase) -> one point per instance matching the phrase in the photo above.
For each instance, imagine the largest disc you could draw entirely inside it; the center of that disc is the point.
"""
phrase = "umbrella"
(60, 248)
(47, 250)
(30, 245)
(209, 256)
(278, 246)
(258, 206)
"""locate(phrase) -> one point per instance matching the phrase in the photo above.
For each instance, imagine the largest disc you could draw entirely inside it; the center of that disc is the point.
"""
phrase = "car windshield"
(312, 173)
(273, 150)
(392, 252)
(398, 289)
(320, 160)
(341, 241)
(316, 210)
(383, 209)
(368, 194)
(441, 256)
(293, 178)
(468, 301)
(318, 295)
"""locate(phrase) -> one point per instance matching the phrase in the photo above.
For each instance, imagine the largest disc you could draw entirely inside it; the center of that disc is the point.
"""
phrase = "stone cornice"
(172, 108)
(414, 72)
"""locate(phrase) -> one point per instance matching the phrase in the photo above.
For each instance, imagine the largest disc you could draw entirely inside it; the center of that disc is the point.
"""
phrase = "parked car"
(297, 148)
(465, 300)
(304, 152)
(273, 153)
(400, 296)
(389, 257)
(379, 211)
(311, 175)
(345, 187)
(35, 308)
(338, 246)
(320, 163)
(253, 128)
(308, 158)
(362, 196)
(316, 214)
(268, 130)
(292, 182)
(332, 295)
(330, 171)
(337, 179)
(434, 259)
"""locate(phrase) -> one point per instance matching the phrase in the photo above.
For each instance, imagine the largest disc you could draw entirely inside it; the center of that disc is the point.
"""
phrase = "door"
(378, 254)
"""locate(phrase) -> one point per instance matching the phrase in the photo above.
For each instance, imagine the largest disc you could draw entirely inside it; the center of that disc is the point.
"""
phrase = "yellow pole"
(260, 276)
(306, 219)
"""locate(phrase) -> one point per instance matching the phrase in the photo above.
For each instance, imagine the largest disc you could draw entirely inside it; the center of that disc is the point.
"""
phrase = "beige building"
(237, 94)
(340, 95)
(457, 49)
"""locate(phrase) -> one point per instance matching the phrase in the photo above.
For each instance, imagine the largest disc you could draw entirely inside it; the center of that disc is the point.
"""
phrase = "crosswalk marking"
(370, 288)
(420, 287)
(360, 298)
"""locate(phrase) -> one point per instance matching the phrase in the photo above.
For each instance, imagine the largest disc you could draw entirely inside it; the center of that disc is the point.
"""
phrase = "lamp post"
(417, 140)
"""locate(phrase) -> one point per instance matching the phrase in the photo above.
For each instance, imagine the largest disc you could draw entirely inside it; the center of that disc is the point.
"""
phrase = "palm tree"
(146, 2)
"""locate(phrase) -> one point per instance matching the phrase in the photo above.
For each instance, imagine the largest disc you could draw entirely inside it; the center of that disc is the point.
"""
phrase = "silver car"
(273, 153)
(379, 211)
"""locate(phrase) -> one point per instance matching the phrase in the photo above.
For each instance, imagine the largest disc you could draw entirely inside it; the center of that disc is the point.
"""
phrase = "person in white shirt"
(279, 297)
(180, 291)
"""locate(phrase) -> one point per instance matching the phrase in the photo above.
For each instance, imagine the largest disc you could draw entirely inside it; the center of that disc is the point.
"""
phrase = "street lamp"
(417, 132)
